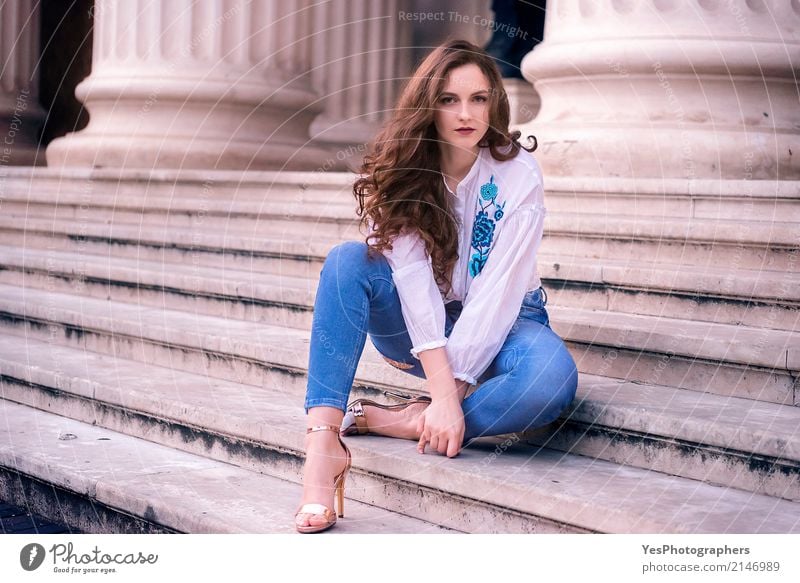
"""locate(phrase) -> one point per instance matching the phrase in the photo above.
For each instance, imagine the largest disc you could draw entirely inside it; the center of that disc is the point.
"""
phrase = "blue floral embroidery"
(482, 230)
(489, 190)
(483, 227)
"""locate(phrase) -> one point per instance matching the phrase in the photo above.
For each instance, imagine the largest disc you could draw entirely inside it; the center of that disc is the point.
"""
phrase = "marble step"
(615, 414)
(165, 487)
(229, 293)
(750, 297)
(189, 189)
(274, 219)
(706, 437)
(754, 298)
(258, 252)
(735, 244)
(724, 359)
(495, 484)
(140, 187)
(643, 241)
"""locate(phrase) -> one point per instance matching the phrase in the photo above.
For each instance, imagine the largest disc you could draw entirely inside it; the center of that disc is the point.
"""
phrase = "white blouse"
(501, 204)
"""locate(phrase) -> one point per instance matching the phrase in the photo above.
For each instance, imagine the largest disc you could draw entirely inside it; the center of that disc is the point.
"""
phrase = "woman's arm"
(442, 423)
(494, 298)
(441, 384)
(424, 315)
(420, 298)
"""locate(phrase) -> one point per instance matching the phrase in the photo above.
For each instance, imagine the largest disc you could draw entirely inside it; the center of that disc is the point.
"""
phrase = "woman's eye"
(447, 99)
(481, 98)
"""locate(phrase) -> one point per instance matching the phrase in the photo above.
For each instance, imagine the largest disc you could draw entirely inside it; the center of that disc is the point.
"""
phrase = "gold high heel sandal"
(338, 482)
(355, 419)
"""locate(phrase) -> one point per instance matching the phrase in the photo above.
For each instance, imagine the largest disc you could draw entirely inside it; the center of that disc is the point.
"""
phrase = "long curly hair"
(400, 185)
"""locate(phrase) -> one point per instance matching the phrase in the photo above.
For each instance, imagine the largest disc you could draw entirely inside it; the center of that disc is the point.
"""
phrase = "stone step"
(738, 361)
(18, 520)
(255, 354)
(706, 437)
(610, 198)
(162, 485)
(98, 186)
(750, 297)
(298, 256)
(736, 244)
(245, 295)
(494, 485)
(642, 241)
(758, 298)
(729, 441)
(231, 349)
(284, 220)
(728, 360)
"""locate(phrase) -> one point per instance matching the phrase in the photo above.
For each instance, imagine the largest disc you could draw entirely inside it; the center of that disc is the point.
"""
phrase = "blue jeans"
(528, 384)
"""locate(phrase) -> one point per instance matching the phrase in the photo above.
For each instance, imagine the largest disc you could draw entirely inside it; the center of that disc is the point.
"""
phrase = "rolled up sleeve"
(420, 298)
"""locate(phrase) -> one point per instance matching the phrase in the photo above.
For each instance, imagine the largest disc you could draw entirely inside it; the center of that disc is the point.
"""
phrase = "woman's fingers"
(453, 447)
(444, 444)
(448, 445)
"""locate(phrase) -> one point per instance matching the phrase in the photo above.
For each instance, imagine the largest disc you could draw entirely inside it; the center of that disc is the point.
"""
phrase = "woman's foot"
(325, 459)
(401, 423)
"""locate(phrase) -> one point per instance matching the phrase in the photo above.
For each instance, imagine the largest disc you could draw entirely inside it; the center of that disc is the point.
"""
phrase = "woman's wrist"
(441, 383)
(441, 390)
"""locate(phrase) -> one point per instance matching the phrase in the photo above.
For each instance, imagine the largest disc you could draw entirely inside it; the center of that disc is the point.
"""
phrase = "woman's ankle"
(324, 415)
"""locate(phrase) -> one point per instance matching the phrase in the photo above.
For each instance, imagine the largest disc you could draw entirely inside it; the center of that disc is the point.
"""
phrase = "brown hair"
(400, 184)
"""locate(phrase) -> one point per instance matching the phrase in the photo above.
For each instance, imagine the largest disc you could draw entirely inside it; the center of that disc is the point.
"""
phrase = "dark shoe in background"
(519, 27)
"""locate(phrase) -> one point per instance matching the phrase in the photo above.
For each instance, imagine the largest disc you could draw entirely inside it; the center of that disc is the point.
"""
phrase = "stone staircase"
(163, 319)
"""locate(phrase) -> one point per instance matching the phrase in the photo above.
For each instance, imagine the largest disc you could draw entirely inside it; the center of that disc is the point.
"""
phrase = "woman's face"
(464, 103)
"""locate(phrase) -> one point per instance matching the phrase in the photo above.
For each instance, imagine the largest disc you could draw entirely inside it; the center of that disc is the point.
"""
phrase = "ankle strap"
(323, 428)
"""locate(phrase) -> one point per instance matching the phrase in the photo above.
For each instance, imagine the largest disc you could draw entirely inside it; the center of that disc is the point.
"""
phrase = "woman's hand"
(442, 422)
(442, 425)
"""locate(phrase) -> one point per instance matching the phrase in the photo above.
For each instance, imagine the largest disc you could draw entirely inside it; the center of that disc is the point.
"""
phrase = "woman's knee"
(351, 257)
(563, 375)
(347, 252)
(550, 383)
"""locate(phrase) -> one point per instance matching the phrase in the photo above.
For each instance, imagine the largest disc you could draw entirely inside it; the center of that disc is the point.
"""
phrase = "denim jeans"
(528, 384)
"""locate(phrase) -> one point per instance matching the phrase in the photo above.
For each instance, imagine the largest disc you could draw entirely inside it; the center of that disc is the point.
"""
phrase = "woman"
(445, 285)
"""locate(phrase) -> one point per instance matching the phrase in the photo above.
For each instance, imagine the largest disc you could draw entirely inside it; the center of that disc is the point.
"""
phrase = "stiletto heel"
(338, 482)
(355, 419)
(340, 499)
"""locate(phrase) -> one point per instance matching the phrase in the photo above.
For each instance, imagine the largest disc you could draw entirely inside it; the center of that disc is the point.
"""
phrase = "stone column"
(197, 84)
(20, 112)
(361, 57)
(668, 88)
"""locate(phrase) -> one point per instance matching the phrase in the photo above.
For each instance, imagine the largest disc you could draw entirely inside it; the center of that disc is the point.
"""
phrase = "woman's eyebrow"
(450, 93)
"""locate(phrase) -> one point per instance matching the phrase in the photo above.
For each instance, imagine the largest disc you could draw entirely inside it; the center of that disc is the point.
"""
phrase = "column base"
(569, 149)
(144, 122)
(178, 152)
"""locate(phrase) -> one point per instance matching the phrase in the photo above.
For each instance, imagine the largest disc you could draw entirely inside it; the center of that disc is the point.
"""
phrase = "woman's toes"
(308, 519)
(317, 520)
